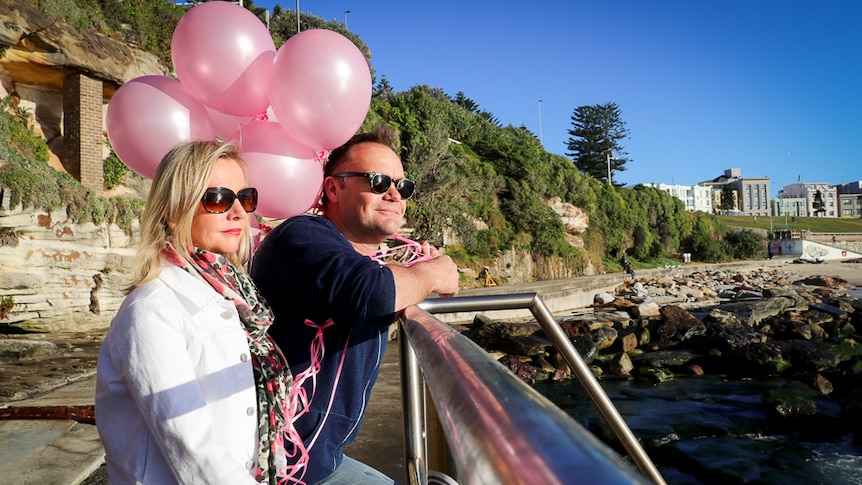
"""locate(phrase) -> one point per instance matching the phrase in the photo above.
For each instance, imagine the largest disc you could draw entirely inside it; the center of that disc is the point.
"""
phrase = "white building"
(807, 191)
(695, 197)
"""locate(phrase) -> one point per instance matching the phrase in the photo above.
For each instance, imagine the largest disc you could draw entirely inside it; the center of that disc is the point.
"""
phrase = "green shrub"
(708, 249)
(114, 171)
(6, 304)
(24, 170)
(744, 244)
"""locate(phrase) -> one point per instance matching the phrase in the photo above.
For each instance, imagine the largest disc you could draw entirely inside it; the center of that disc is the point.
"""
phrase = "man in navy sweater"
(333, 303)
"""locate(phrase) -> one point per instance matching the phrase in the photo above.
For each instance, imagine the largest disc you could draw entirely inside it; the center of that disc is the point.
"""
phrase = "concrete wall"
(811, 251)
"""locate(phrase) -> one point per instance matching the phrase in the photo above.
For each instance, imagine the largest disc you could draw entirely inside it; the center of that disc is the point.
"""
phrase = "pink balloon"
(223, 54)
(287, 177)
(148, 116)
(321, 88)
(225, 125)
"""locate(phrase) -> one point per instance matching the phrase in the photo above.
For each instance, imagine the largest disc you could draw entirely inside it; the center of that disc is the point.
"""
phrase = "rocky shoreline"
(758, 323)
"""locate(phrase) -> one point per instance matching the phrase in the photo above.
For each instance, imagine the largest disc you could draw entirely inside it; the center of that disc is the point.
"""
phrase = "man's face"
(362, 215)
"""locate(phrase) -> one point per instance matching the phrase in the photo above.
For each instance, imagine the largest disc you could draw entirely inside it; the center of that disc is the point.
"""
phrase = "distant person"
(334, 303)
(190, 389)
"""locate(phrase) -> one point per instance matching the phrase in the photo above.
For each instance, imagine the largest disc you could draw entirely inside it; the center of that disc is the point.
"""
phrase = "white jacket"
(175, 397)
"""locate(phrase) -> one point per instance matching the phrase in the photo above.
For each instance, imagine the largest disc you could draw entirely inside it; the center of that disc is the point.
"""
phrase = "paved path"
(51, 451)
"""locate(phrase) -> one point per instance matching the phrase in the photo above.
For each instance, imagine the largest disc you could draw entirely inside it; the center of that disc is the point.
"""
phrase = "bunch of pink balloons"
(282, 107)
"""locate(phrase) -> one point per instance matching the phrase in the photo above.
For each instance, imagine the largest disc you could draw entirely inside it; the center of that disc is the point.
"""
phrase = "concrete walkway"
(57, 450)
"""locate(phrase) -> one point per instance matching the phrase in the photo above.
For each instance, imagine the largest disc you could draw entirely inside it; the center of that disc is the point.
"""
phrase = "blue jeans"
(352, 472)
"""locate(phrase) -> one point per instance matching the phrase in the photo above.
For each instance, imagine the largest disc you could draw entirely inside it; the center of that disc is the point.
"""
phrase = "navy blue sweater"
(307, 270)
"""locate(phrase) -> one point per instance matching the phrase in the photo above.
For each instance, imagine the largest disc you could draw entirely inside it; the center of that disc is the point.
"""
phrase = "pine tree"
(818, 205)
(594, 140)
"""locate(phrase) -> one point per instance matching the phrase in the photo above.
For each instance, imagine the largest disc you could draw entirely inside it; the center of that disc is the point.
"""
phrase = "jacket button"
(226, 314)
(243, 358)
(249, 465)
(250, 411)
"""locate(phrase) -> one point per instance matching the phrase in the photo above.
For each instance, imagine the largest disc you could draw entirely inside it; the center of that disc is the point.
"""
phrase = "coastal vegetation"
(32, 182)
(484, 185)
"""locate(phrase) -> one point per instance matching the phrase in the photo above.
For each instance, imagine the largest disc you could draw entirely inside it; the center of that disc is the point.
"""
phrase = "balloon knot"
(322, 157)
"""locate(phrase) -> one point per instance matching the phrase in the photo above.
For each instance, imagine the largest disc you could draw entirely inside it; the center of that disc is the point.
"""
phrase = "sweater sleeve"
(307, 265)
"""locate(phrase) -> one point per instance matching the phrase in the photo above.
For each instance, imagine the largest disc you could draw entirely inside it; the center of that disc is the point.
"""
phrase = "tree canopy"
(594, 141)
(818, 205)
(728, 201)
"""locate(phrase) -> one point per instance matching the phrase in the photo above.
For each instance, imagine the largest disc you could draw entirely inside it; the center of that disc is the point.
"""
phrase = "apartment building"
(850, 199)
(752, 194)
(695, 197)
(808, 191)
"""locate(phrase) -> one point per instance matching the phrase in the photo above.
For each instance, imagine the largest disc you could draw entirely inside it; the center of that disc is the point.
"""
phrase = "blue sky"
(771, 87)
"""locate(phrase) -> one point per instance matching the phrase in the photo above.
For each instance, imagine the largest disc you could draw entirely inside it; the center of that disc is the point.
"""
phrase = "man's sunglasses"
(219, 199)
(380, 183)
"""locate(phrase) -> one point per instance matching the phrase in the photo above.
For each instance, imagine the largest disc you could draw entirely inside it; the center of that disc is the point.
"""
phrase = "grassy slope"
(813, 224)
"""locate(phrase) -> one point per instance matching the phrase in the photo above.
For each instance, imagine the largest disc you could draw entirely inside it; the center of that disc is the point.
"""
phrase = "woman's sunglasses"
(380, 183)
(219, 199)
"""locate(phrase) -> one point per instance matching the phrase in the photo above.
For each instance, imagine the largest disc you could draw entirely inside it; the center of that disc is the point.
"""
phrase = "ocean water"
(714, 430)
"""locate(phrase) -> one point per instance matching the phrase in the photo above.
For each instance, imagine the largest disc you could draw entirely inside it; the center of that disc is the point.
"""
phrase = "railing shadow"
(499, 429)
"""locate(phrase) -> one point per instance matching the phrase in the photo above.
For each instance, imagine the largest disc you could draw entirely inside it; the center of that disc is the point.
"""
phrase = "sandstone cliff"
(55, 274)
(37, 53)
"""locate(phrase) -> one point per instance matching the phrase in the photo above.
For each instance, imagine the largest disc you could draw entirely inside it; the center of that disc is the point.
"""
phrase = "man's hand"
(413, 284)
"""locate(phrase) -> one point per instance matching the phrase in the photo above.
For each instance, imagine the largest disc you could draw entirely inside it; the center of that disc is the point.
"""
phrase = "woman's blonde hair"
(178, 185)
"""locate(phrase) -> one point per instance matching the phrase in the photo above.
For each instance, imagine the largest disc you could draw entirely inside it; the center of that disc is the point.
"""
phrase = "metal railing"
(499, 429)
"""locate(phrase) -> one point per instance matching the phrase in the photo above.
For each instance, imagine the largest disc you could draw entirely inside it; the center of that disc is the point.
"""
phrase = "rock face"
(57, 275)
(574, 220)
(37, 53)
(41, 51)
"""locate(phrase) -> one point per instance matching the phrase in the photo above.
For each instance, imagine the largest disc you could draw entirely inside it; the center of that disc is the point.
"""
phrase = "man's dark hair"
(382, 134)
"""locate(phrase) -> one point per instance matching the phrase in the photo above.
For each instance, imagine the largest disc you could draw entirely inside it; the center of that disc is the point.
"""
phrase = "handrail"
(579, 368)
(500, 430)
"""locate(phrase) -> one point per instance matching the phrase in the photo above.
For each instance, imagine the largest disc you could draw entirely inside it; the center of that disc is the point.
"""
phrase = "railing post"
(499, 429)
(413, 404)
(598, 395)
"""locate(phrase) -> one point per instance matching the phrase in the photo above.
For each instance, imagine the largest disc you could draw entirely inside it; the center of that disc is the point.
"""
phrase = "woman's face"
(221, 233)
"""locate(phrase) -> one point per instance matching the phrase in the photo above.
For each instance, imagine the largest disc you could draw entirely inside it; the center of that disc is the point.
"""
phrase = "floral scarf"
(272, 376)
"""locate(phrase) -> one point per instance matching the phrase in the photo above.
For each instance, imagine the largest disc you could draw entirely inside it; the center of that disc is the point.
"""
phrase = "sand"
(850, 271)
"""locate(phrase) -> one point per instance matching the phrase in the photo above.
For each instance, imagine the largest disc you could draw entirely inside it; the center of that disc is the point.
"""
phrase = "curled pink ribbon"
(405, 252)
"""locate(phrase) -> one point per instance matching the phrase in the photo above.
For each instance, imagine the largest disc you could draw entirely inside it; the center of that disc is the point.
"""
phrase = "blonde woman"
(190, 389)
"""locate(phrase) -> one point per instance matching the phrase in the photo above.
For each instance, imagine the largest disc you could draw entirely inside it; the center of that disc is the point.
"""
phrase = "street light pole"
(540, 123)
(345, 19)
(297, 16)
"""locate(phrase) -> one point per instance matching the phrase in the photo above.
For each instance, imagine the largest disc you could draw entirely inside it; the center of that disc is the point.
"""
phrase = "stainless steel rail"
(499, 429)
